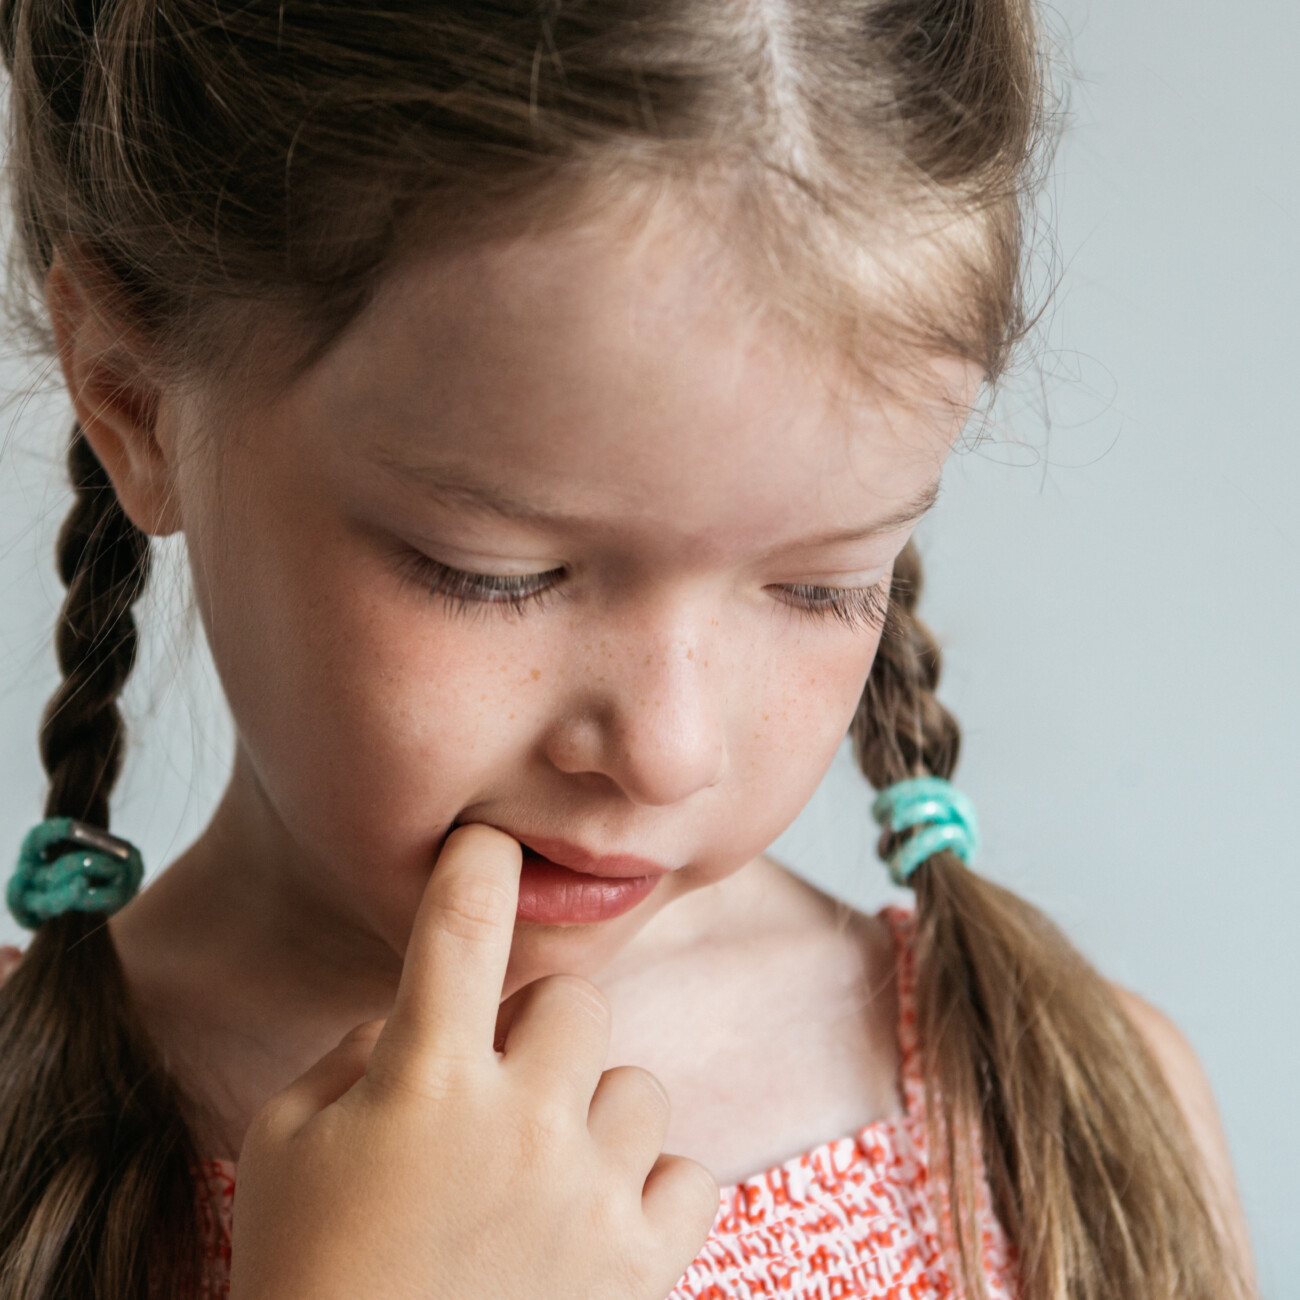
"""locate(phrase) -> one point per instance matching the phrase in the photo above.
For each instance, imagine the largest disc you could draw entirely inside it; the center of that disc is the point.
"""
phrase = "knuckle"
(576, 991)
(267, 1125)
(652, 1089)
(545, 1129)
(636, 1087)
(693, 1190)
(474, 909)
(703, 1187)
(366, 1034)
(425, 1078)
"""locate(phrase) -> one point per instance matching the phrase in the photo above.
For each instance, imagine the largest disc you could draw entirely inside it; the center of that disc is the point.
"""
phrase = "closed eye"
(466, 592)
(855, 607)
(462, 591)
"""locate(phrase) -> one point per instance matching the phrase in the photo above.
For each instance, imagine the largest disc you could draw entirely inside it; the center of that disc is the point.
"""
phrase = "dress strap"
(902, 926)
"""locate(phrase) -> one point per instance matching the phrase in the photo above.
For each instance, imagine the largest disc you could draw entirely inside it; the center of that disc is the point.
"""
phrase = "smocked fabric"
(852, 1217)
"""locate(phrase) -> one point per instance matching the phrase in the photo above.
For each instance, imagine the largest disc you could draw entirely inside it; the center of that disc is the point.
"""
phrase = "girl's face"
(561, 536)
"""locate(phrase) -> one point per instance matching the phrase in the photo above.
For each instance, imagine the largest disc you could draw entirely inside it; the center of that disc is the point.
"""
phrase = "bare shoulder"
(9, 958)
(1191, 1089)
(1178, 1060)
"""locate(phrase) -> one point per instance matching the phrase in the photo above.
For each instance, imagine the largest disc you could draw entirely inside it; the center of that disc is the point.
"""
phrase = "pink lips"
(563, 884)
(617, 866)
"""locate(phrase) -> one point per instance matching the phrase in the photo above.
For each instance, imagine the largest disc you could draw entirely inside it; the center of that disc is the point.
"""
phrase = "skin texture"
(677, 452)
(669, 700)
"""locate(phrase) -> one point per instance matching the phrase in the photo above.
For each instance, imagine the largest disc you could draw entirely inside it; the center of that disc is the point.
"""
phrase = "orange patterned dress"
(853, 1217)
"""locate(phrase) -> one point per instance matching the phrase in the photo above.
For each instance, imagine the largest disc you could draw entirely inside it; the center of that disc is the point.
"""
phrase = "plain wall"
(1116, 585)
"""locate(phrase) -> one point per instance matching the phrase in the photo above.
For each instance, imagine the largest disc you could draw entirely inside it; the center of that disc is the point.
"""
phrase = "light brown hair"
(213, 158)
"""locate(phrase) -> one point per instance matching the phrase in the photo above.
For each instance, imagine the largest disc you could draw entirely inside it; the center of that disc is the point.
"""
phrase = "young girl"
(547, 395)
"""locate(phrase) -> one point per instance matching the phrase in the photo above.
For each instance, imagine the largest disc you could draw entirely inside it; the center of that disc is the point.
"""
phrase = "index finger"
(455, 963)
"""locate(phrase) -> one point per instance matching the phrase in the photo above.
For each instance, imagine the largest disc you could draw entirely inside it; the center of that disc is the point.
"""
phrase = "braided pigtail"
(95, 1156)
(1093, 1172)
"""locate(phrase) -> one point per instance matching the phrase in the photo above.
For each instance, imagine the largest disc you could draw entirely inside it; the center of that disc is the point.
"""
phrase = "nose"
(647, 714)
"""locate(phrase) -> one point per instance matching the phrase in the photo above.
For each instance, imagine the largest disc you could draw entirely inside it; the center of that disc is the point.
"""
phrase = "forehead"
(622, 369)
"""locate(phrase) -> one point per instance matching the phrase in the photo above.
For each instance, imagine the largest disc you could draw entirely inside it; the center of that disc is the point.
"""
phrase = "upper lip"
(576, 858)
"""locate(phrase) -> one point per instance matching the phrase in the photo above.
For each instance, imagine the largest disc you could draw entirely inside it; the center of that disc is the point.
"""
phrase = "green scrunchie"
(84, 878)
(943, 818)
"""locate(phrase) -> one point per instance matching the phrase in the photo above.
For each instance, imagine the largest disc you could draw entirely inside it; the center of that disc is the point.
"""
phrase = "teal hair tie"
(94, 872)
(945, 815)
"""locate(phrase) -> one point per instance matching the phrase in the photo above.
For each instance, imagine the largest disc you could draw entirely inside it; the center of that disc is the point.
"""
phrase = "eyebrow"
(452, 486)
(908, 513)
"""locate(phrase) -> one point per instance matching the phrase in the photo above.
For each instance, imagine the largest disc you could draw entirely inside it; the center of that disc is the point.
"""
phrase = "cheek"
(796, 720)
(364, 709)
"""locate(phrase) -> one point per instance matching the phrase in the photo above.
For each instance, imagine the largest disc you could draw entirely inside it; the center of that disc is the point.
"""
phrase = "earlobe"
(115, 399)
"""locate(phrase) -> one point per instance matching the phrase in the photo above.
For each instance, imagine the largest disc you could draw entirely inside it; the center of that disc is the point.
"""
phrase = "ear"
(115, 398)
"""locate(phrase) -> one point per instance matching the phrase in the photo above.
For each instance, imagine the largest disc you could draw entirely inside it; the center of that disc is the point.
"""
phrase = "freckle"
(766, 717)
(481, 698)
(535, 674)
(690, 654)
(512, 717)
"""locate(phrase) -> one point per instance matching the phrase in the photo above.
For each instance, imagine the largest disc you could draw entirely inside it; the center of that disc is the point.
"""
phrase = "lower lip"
(550, 894)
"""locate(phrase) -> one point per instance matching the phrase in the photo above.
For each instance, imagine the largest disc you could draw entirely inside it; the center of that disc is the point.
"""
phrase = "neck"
(247, 966)
(244, 897)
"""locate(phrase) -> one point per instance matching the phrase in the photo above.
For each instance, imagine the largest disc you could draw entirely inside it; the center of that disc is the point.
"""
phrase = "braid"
(97, 1193)
(900, 729)
(1091, 1167)
(104, 562)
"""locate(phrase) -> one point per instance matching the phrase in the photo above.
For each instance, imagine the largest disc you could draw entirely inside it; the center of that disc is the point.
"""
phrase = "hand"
(415, 1160)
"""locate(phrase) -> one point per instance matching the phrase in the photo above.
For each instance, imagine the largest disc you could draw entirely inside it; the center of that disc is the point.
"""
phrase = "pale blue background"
(1117, 594)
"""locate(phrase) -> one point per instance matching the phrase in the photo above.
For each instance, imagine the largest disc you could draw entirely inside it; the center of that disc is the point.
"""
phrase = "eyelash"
(855, 607)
